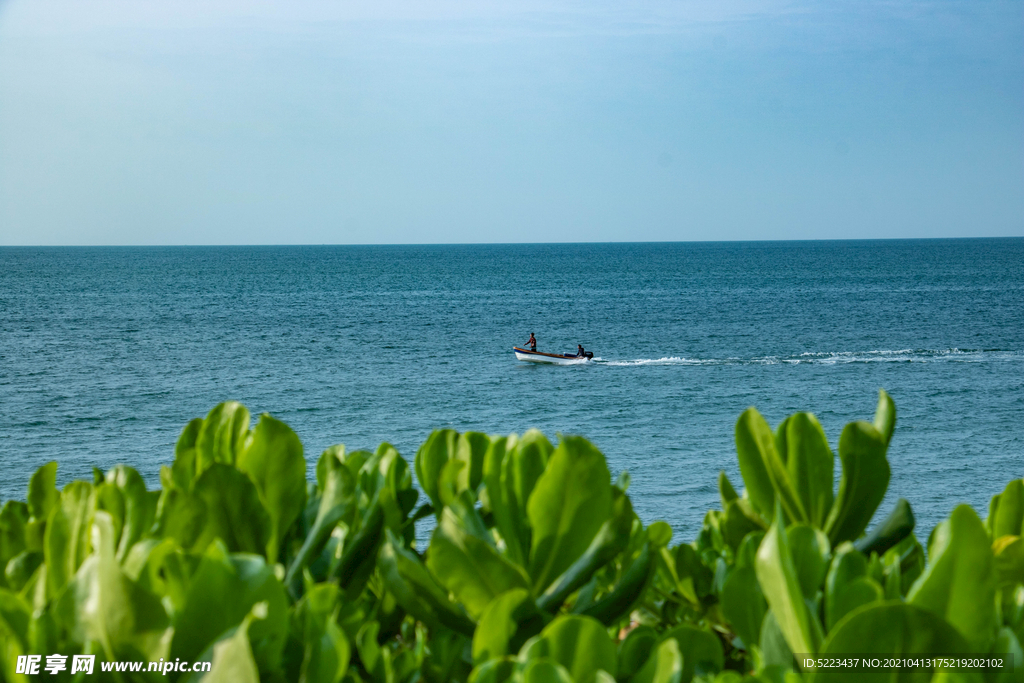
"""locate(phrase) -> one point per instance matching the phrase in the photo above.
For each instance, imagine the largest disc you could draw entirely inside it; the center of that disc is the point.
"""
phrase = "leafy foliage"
(537, 568)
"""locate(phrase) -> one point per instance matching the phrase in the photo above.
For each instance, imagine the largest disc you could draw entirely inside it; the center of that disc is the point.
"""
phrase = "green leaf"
(183, 469)
(337, 502)
(431, 459)
(325, 648)
(753, 440)
(912, 562)
(725, 490)
(848, 586)
(896, 527)
(863, 482)
(42, 491)
(493, 458)
(568, 506)
(180, 515)
(659, 533)
(729, 676)
(701, 650)
(220, 594)
(535, 448)
(665, 665)
(743, 604)
(959, 583)
(889, 630)
(332, 456)
(1007, 521)
(505, 625)
(471, 449)
(13, 520)
(993, 511)
(627, 591)
(15, 618)
(233, 660)
(692, 579)
(103, 605)
(222, 435)
(470, 567)
(42, 497)
(395, 493)
(522, 467)
(580, 644)
(740, 519)
(545, 671)
(1009, 561)
(448, 481)
(781, 585)
(406, 663)
(885, 416)
(1007, 645)
(893, 578)
(610, 540)
(746, 554)
(499, 500)
(139, 506)
(636, 649)
(494, 671)
(416, 590)
(811, 555)
(354, 460)
(233, 510)
(110, 499)
(357, 558)
(273, 460)
(371, 654)
(809, 461)
(876, 569)
(775, 651)
(445, 661)
(147, 565)
(68, 532)
(21, 567)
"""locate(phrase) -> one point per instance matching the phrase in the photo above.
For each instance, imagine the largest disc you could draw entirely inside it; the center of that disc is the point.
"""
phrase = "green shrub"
(537, 568)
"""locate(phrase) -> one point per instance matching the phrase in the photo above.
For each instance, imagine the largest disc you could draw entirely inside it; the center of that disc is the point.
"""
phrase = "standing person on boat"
(532, 342)
(580, 353)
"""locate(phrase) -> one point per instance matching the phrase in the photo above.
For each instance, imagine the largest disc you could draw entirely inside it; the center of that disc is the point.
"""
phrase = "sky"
(161, 122)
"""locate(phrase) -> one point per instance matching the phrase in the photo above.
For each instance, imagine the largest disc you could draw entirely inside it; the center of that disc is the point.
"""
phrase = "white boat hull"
(550, 358)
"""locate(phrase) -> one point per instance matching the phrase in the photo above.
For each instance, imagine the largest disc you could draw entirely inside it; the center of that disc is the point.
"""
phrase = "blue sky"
(187, 122)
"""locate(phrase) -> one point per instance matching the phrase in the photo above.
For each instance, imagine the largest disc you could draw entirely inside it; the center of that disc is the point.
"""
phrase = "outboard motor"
(588, 354)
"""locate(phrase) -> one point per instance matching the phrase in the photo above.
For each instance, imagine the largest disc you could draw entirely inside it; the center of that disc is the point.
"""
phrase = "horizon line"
(501, 244)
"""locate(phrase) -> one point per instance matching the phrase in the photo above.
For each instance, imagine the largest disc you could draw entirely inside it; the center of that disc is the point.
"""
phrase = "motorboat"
(555, 358)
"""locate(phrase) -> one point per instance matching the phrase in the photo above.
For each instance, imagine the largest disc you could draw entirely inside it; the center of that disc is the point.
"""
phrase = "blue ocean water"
(105, 353)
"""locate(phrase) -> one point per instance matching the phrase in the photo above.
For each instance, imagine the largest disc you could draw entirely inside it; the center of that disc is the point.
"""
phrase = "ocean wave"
(954, 355)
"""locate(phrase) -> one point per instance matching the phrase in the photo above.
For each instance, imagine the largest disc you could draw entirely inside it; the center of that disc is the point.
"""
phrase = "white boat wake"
(837, 358)
(656, 361)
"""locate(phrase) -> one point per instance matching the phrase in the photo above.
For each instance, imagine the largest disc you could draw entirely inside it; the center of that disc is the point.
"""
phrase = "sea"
(106, 353)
